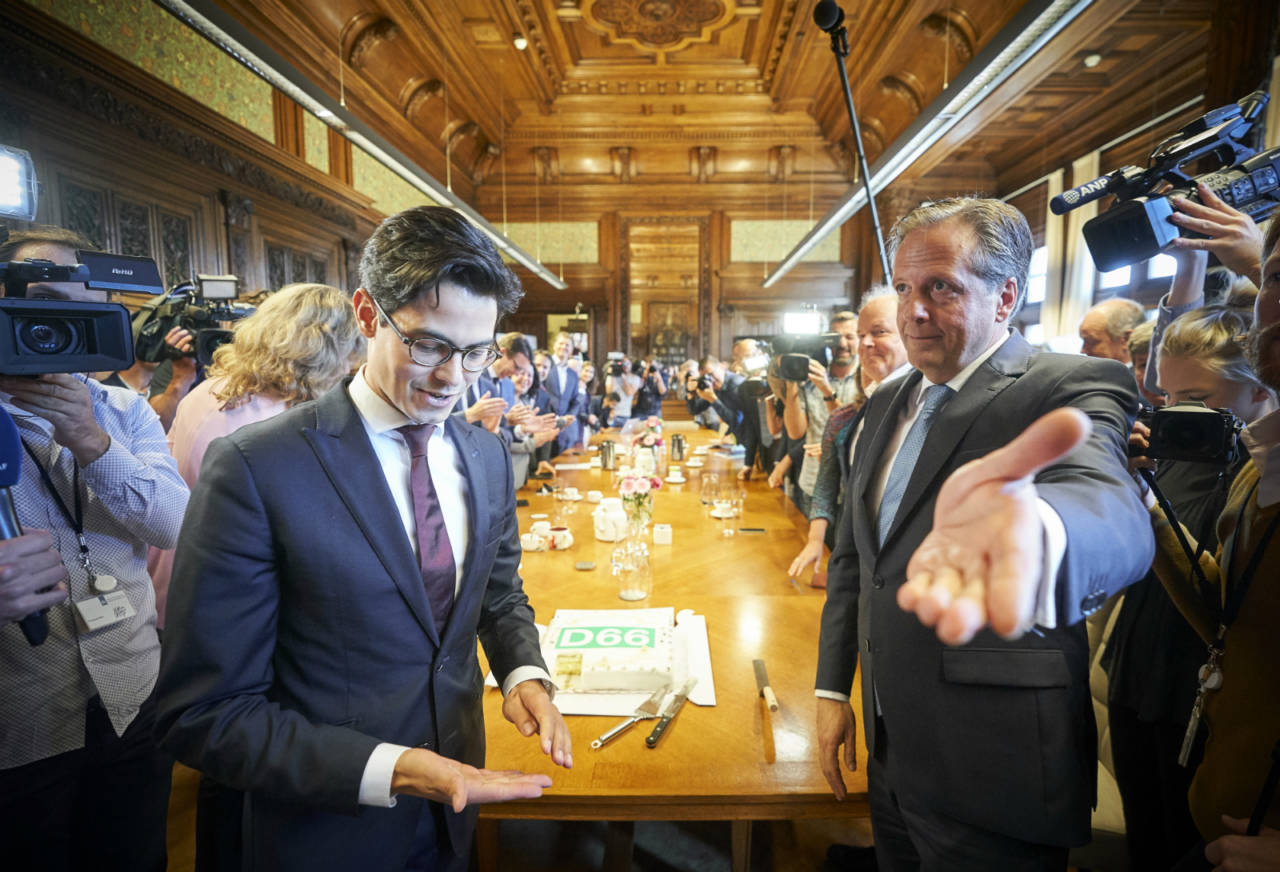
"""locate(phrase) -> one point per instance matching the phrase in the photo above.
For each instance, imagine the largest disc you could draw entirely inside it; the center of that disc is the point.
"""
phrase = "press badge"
(103, 610)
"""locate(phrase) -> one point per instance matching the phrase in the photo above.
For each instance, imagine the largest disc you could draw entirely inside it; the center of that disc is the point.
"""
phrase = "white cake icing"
(610, 650)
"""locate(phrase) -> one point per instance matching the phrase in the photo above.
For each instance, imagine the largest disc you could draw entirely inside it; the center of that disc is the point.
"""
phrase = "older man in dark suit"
(974, 663)
(334, 571)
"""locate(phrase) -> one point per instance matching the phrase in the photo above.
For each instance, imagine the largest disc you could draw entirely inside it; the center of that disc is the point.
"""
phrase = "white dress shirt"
(380, 421)
(1055, 534)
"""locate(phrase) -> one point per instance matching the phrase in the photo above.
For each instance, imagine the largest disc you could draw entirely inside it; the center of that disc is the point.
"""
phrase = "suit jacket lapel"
(343, 449)
(955, 418)
(463, 437)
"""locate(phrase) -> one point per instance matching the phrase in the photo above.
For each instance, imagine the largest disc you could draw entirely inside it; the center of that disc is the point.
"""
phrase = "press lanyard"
(1210, 674)
(76, 521)
(1235, 593)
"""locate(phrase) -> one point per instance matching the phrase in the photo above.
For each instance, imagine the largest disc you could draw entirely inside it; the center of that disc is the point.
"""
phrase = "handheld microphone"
(34, 626)
(1079, 195)
(827, 15)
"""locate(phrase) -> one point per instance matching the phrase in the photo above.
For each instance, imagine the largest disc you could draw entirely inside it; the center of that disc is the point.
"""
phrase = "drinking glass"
(710, 488)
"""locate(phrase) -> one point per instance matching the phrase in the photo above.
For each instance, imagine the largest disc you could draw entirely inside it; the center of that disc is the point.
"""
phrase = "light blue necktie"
(905, 463)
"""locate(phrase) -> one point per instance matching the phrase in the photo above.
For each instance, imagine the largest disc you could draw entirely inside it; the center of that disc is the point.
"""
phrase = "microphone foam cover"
(10, 451)
(827, 15)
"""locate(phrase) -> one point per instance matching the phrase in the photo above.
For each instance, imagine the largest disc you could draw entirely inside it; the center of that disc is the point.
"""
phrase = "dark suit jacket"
(996, 734)
(302, 636)
(570, 403)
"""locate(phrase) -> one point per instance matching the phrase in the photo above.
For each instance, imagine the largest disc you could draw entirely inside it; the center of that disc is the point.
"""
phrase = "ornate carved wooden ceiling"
(732, 104)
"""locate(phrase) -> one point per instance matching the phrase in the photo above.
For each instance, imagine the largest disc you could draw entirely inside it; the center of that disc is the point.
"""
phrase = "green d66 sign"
(607, 637)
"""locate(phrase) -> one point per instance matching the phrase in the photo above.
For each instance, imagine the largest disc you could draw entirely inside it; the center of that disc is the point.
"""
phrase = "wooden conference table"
(710, 765)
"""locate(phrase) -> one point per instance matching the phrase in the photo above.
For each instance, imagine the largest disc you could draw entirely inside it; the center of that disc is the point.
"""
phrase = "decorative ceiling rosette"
(658, 25)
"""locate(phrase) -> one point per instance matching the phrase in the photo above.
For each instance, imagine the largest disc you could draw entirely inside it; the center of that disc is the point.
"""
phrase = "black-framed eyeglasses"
(426, 351)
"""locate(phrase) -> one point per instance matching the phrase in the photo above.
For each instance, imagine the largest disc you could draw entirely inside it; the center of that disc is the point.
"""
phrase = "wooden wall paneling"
(290, 136)
(1242, 45)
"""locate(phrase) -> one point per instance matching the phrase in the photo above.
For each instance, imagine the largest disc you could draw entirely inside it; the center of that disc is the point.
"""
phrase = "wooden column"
(340, 157)
(288, 119)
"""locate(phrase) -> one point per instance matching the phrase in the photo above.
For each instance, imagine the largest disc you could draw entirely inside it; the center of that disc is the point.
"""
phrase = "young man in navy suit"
(335, 569)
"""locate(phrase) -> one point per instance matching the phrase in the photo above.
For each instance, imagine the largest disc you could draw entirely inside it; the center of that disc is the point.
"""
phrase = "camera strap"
(76, 521)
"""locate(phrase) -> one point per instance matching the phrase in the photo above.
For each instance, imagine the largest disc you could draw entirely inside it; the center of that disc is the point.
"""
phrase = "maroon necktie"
(435, 554)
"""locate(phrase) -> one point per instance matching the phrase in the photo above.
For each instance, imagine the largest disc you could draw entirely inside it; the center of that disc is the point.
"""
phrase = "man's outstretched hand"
(981, 563)
(424, 773)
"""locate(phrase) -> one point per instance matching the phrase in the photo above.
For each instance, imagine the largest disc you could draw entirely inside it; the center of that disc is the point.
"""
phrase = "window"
(1162, 266)
(1117, 278)
(1038, 276)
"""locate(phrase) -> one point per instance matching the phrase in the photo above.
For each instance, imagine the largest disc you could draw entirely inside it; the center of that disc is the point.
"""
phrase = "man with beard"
(1239, 626)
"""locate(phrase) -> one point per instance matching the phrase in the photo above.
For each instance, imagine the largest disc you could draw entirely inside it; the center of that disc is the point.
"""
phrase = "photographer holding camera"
(620, 380)
(653, 387)
(809, 403)
(716, 388)
(1153, 654)
(82, 783)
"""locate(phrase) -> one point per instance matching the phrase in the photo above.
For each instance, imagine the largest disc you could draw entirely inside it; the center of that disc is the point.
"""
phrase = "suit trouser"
(102, 807)
(911, 837)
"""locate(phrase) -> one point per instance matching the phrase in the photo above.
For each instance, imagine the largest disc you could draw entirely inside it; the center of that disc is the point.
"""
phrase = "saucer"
(572, 499)
(722, 516)
(539, 516)
(701, 449)
(696, 464)
(673, 480)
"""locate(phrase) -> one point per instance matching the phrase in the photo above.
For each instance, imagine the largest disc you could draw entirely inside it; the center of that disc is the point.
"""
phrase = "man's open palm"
(981, 563)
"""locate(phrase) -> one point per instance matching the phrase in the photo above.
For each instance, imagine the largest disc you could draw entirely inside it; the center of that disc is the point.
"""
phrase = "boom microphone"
(35, 626)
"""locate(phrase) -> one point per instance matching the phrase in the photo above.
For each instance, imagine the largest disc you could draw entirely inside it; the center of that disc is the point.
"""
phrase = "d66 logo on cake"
(607, 637)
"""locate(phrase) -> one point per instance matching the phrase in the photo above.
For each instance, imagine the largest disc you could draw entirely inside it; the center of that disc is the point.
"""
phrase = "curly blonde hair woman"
(295, 347)
(298, 345)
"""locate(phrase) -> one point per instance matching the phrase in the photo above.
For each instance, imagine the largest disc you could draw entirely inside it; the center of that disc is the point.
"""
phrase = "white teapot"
(610, 520)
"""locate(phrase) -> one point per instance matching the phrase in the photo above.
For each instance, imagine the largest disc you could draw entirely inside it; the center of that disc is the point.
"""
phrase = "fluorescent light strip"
(338, 118)
(1016, 44)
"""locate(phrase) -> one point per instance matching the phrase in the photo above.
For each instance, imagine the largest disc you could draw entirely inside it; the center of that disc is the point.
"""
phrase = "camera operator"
(716, 388)
(621, 381)
(1232, 237)
(1153, 654)
(653, 387)
(809, 403)
(82, 783)
(881, 356)
(138, 377)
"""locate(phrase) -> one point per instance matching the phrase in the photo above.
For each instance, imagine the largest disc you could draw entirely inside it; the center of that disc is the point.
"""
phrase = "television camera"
(1137, 225)
(199, 307)
(44, 336)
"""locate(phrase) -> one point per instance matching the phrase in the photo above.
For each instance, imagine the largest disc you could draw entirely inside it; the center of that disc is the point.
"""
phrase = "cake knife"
(647, 709)
(669, 712)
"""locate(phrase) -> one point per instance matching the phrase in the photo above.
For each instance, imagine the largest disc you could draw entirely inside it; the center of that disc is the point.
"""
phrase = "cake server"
(669, 712)
(646, 710)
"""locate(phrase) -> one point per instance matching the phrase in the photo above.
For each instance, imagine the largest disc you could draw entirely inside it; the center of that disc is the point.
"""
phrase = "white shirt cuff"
(375, 783)
(1055, 548)
(525, 673)
(831, 694)
(518, 430)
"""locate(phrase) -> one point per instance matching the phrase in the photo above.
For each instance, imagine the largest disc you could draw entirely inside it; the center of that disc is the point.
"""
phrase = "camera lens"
(47, 336)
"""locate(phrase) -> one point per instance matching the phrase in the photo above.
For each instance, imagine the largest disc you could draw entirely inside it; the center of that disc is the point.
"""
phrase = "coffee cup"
(561, 538)
(533, 542)
(570, 493)
(722, 507)
(661, 534)
(541, 528)
(594, 496)
(674, 473)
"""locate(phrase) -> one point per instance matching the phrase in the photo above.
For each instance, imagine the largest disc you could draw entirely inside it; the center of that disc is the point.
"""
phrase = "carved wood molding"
(25, 60)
